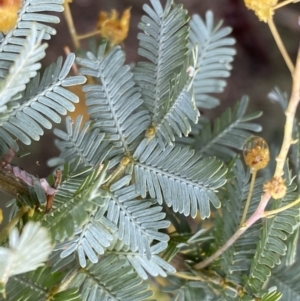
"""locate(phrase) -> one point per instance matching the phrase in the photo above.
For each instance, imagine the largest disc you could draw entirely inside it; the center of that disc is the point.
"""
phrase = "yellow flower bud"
(276, 188)
(262, 8)
(256, 153)
(9, 14)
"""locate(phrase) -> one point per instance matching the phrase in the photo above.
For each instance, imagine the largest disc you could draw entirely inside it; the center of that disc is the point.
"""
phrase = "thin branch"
(283, 3)
(275, 211)
(11, 185)
(63, 285)
(253, 177)
(280, 45)
(252, 219)
(89, 34)
(189, 277)
(290, 116)
(4, 233)
(214, 256)
(213, 279)
(72, 30)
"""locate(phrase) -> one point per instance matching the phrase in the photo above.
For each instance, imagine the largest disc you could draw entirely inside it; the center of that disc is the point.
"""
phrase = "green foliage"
(37, 285)
(189, 290)
(112, 103)
(228, 132)
(237, 260)
(271, 246)
(80, 142)
(286, 279)
(131, 196)
(214, 58)
(100, 282)
(179, 177)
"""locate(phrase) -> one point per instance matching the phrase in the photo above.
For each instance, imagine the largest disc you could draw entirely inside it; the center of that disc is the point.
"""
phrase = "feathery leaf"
(214, 58)
(25, 66)
(114, 104)
(178, 177)
(45, 98)
(236, 261)
(83, 142)
(26, 252)
(164, 42)
(286, 279)
(99, 282)
(30, 15)
(228, 132)
(138, 222)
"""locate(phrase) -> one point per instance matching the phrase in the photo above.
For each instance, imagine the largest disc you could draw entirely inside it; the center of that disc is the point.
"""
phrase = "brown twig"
(11, 185)
(71, 26)
(280, 45)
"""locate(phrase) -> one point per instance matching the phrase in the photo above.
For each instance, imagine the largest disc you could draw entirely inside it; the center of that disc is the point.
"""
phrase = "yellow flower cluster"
(276, 188)
(113, 28)
(262, 8)
(256, 153)
(9, 14)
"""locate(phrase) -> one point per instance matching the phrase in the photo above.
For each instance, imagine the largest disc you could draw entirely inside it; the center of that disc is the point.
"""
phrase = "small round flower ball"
(256, 153)
(276, 188)
(9, 14)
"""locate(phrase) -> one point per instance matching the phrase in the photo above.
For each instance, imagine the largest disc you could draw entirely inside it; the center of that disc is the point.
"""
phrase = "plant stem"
(280, 45)
(283, 3)
(118, 172)
(189, 277)
(252, 219)
(248, 198)
(72, 30)
(216, 280)
(202, 277)
(89, 34)
(275, 211)
(220, 251)
(4, 233)
(11, 185)
(289, 123)
(62, 285)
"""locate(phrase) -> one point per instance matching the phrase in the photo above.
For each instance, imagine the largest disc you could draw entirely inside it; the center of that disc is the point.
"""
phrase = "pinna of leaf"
(29, 179)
